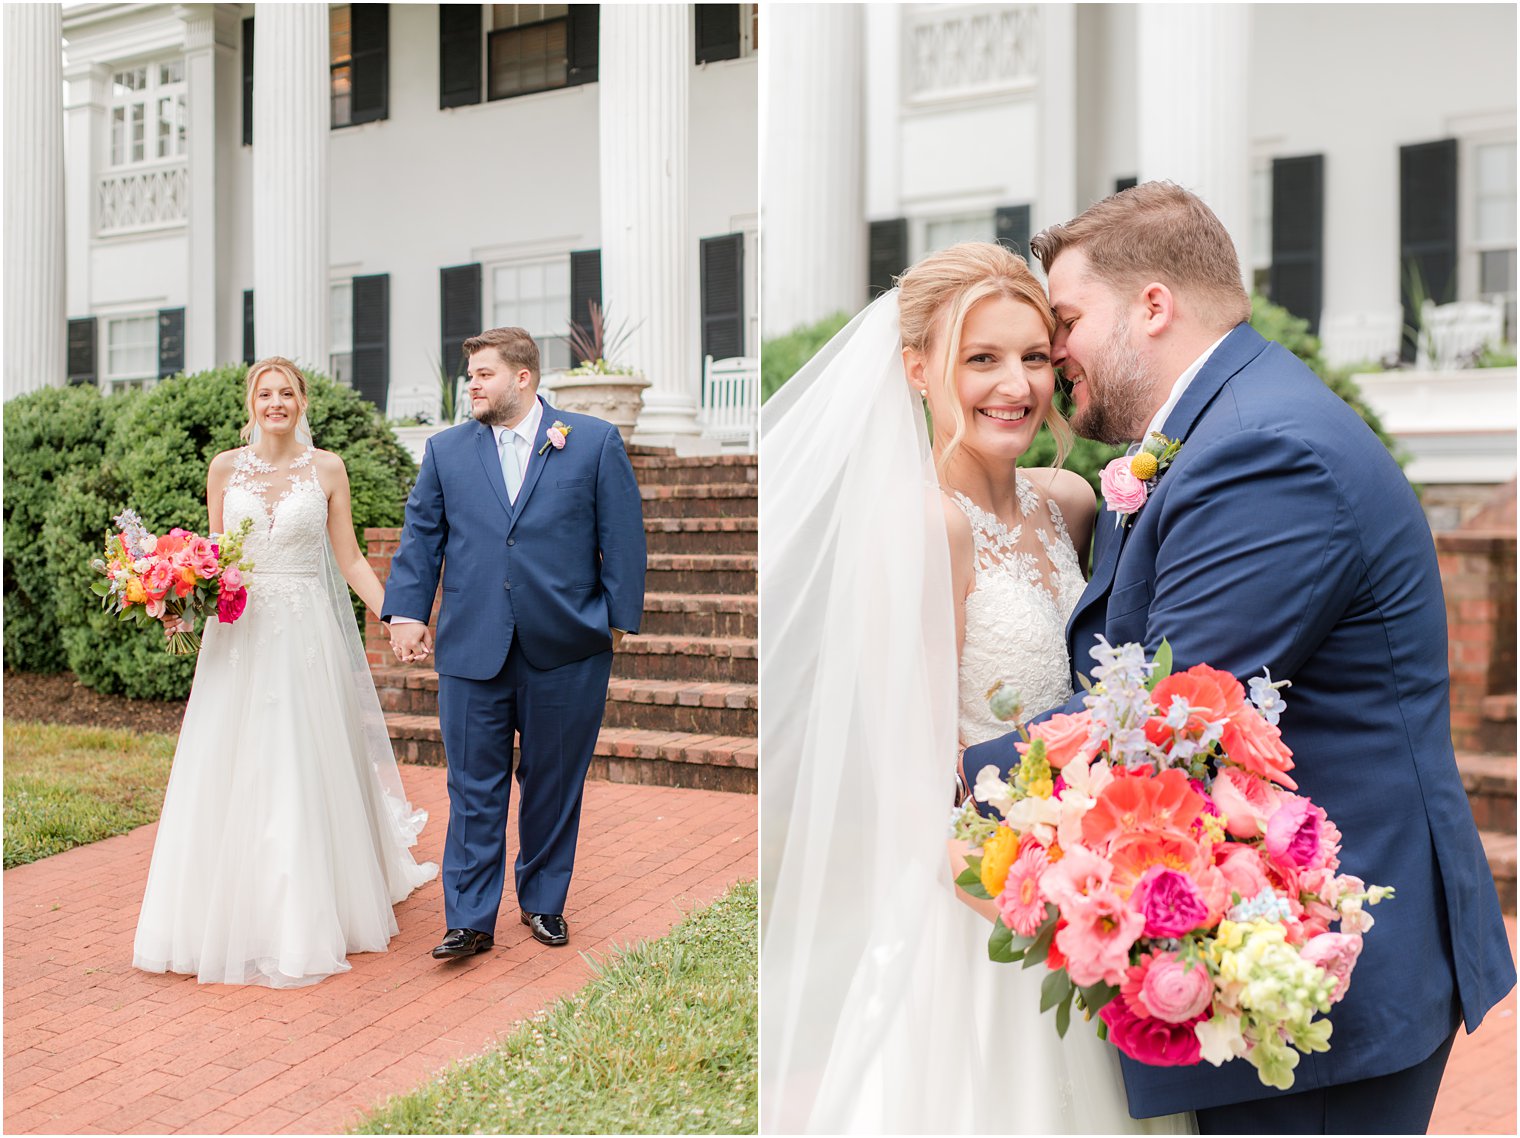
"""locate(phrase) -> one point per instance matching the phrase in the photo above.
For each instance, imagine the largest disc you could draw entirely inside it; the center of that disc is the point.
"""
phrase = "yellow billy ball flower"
(997, 859)
(1143, 466)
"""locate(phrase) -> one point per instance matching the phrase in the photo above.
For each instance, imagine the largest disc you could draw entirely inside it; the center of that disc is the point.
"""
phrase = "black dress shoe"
(547, 928)
(462, 942)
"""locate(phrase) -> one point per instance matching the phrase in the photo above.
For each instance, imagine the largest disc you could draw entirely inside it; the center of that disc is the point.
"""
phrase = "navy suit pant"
(557, 713)
(1399, 1103)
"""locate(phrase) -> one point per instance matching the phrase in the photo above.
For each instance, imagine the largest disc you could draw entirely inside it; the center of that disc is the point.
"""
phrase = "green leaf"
(1056, 988)
(1095, 997)
(1039, 948)
(1063, 1016)
(1004, 947)
(970, 880)
(1163, 666)
(1084, 681)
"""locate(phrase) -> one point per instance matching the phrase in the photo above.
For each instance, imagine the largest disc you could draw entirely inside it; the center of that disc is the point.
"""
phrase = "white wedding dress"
(882, 1012)
(285, 833)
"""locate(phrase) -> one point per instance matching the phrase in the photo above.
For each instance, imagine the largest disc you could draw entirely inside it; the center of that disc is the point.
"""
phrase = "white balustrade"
(1452, 336)
(731, 400)
(1361, 337)
(134, 200)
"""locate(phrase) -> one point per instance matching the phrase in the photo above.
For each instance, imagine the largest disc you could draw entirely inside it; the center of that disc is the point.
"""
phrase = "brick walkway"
(94, 1046)
(1478, 1093)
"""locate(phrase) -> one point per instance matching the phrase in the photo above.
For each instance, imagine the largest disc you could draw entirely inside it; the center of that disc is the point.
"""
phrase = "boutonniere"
(1127, 481)
(556, 436)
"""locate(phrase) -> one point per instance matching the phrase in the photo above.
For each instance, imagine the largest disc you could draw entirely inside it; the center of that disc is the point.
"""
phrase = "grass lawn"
(68, 786)
(663, 1041)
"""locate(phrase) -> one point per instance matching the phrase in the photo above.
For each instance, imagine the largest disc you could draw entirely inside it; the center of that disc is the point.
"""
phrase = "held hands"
(411, 642)
(173, 625)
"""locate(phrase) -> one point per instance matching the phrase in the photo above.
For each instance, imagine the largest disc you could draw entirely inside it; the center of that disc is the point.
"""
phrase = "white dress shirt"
(1183, 382)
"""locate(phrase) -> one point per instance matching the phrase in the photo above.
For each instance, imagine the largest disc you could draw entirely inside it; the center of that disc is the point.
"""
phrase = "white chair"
(1452, 335)
(731, 400)
(1360, 337)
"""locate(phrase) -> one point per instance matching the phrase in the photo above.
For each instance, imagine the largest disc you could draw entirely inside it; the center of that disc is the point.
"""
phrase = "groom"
(534, 517)
(1283, 536)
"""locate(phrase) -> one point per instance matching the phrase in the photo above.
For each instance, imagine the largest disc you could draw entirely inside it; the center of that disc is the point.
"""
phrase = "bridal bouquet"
(1153, 856)
(179, 574)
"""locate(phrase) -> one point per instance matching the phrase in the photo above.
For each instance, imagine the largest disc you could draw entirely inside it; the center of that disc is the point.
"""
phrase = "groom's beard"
(504, 411)
(1118, 392)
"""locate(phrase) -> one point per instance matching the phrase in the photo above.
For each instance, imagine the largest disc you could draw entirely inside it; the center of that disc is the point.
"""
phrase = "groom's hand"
(411, 641)
(617, 638)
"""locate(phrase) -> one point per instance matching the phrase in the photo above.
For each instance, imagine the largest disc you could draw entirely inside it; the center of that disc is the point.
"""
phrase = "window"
(131, 351)
(359, 62)
(1261, 228)
(1493, 166)
(340, 313)
(148, 116)
(942, 232)
(726, 31)
(535, 295)
(529, 49)
(340, 38)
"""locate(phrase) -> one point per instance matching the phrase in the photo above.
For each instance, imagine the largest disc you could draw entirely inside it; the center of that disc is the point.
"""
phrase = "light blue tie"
(511, 466)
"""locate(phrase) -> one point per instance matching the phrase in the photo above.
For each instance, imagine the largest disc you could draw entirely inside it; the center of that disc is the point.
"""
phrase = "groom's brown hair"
(516, 347)
(1156, 231)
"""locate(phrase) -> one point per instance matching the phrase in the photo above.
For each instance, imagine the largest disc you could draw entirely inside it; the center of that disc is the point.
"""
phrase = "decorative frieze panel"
(142, 199)
(956, 52)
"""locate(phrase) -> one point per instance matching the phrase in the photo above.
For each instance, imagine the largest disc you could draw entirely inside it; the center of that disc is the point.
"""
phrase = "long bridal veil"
(858, 729)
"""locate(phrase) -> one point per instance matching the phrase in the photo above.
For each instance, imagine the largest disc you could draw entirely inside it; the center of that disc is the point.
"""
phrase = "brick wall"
(1478, 576)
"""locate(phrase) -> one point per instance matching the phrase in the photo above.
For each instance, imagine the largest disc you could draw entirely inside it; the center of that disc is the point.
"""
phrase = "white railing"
(1453, 335)
(143, 199)
(956, 51)
(731, 400)
(1361, 337)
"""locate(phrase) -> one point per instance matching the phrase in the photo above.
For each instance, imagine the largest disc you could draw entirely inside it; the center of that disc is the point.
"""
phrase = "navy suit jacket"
(556, 571)
(1283, 536)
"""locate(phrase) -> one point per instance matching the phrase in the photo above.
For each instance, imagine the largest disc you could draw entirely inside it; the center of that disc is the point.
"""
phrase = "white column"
(1193, 113)
(813, 230)
(209, 38)
(35, 322)
(1058, 116)
(644, 76)
(291, 114)
(86, 153)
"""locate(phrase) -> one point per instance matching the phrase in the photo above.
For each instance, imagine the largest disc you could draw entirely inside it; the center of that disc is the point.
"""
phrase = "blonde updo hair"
(270, 363)
(953, 281)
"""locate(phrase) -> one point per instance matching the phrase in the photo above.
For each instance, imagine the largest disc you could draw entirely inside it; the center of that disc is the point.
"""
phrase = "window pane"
(138, 128)
(132, 346)
(171, 72)
(1496, 168)
(532, 58)
(340, 32)
(118, 135)
(1496, 272)
(123, 83)
(342, 95)
(1496, 219)
(341, 316)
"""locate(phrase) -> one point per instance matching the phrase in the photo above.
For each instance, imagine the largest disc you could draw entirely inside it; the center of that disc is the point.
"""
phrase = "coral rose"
(1066, 738)
(1245, 801)
(1242, 869)
(1253, 743)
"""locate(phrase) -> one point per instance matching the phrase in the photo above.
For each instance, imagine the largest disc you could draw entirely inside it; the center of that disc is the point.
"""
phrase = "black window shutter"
(585, 287)
(459, 293)
(717, 33)
(888, 255)
(171, 341)
(723, 296)
(1012, 228)
(248, 356)
(372, 338)
(460, 35)
(1296, 278)
(248, 81)
(372, 72)
(82, 350)
(1122, 184)
(1427, 226)
(583, 51)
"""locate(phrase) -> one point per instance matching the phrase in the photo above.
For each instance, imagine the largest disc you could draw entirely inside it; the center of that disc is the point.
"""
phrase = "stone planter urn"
(616, 398)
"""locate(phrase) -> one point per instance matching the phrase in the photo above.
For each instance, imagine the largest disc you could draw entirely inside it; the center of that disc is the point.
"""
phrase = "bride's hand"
(957, 852)
(174, 625)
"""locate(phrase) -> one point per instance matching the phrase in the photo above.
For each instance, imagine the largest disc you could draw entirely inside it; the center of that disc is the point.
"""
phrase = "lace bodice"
(1027, 583)
(289, 521)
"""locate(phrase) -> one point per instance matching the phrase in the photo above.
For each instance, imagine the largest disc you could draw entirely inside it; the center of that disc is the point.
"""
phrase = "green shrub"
(781, 357)
(150, 452)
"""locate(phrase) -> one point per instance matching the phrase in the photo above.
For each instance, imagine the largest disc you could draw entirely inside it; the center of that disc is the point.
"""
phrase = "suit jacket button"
(506, 584)
(511, 541)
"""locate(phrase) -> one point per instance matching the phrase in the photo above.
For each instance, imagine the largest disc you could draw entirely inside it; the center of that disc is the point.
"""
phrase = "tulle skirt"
(279, 851)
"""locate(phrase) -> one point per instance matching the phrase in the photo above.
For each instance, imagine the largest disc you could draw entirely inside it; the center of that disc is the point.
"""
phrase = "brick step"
(702, 500)
(1500, 849)
(1496, 730)
(702, 535)
(698, 614)
(677, 705)
(622, 754)
(659, 470)
(715, 659)
(1490, 784)
(702, 573)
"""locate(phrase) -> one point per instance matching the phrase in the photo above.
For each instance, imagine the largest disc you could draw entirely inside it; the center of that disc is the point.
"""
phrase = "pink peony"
(1020, 903)
(1066, 738)
(1097, 940)
(1245, 801)
(1169, 902)
(229, 606)
(1293, 833)
(1336, 953)
(232, 578)
(1152, 1041)
(1169, 989)
(1242, 869)
(1123, 492)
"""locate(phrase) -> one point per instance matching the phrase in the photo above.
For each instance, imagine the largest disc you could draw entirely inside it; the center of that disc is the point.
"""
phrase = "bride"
(900, 582)
(285, 834)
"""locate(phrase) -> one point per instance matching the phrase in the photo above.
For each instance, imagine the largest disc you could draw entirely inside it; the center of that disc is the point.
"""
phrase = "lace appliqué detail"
(1016, 614)
(288, 540)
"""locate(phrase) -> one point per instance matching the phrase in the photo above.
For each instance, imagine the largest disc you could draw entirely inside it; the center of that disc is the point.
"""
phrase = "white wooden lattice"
(968, 50)
(143, 199)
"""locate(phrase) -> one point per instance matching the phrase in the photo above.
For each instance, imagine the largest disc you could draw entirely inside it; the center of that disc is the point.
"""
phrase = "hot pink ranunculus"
(1123, 492)
(1336, 953)
(229, 606)
(1169, 989)
(1097, 938)
(1293, 833)
(1245, 801)
(1152, 1041)
(1169, 902)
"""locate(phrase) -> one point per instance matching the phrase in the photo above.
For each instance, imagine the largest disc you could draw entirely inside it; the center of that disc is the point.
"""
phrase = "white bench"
(731, 400)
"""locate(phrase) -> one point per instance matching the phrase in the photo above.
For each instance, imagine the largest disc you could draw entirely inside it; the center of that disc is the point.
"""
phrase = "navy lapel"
(1239, 348)
(536, 461)
(490, 459)
(1107, 541)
